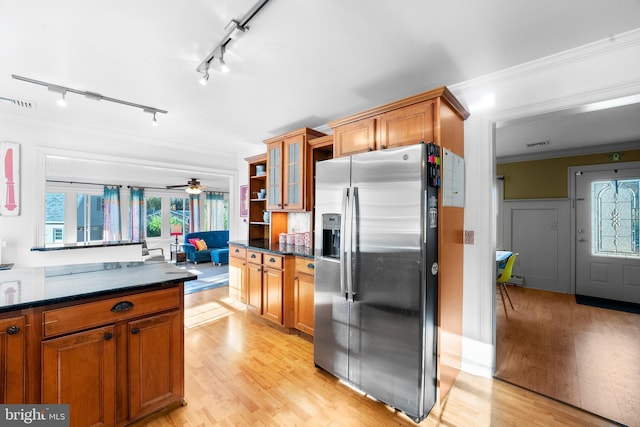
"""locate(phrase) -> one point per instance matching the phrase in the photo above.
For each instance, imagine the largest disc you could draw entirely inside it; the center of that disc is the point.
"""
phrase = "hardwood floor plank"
(582, 355)
(241, 372)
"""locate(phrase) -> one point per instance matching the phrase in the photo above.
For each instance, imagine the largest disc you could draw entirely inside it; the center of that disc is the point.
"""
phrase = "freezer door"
(331, 327)
(387, 321)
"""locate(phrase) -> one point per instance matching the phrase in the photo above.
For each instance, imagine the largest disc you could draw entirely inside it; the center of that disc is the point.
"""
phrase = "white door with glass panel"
(608, 234)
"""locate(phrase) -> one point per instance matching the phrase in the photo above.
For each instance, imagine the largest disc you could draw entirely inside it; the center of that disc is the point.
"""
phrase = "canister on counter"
(291, 238)
(299, 239)
(282, 238)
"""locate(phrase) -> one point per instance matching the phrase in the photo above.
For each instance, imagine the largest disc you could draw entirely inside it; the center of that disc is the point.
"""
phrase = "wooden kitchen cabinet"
(272, 294)
(405, 126)
(154, 381)
(304, 295)
(396, 128)
(12, 360)
(355, 137)
(80, 370)
(287, 157)
(254, 281)
(114, 360)
(238, 273)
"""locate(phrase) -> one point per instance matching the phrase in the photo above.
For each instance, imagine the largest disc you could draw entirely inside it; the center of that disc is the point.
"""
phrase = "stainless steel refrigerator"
(376, 274)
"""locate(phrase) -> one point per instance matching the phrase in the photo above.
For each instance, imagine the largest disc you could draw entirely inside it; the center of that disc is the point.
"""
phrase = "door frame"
(572, 171)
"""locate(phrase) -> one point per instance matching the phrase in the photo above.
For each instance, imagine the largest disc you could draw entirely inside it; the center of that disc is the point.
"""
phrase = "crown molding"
(578, 54)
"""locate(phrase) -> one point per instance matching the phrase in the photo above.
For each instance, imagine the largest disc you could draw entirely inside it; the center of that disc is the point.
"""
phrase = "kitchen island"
(105, 338)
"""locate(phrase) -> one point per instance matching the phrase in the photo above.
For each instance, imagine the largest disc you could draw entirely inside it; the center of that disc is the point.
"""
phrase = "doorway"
(607, 232)
(581, 355)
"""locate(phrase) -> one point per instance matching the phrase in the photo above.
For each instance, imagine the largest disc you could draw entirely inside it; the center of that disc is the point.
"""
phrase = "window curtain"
(111, 202)
(215, 211)
(136, 214)
(194, 212)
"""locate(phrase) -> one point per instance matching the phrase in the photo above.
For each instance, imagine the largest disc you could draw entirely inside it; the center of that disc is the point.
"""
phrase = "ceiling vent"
(20, 103)
(538, 144)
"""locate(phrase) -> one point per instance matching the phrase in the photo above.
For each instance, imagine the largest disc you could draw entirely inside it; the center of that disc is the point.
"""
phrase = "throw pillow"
(193, 242)
(201, 245)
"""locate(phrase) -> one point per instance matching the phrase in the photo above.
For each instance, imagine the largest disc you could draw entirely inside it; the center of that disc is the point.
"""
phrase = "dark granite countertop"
(83, 245)
(276, 248)
(32, 287)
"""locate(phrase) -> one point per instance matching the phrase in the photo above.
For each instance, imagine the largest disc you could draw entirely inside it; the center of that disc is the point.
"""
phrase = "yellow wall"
(547, 179)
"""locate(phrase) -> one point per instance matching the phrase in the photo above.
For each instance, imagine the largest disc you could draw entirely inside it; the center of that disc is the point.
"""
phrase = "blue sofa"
(217, 247)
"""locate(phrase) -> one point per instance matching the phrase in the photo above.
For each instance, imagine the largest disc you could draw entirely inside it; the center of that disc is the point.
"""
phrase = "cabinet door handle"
(122, 306)
(311, 265)
(237, 250)
(253, 256)
(369, 149)
(12, 330)
(108, 336)
(272, 259)
(286, 204)
(384, 147)
(135, 331)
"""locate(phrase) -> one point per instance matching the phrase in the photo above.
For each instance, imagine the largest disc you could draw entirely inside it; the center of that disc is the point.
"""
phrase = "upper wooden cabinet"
(286, 171)
(404, 122)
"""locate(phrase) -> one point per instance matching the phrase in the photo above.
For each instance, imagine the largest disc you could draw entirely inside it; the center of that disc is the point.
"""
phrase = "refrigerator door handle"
(348, 246)
(343, 229)
(353, 240)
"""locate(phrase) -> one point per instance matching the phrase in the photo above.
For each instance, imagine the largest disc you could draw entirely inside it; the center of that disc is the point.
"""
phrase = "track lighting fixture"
(235, 30)
(59, 89)
(223, 65)
(205, 76)
(62, 90)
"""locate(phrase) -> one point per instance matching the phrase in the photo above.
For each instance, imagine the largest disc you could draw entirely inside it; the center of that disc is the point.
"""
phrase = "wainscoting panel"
(539, 231)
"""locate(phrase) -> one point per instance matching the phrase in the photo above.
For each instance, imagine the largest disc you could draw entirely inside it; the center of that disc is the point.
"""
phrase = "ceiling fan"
(193, 186)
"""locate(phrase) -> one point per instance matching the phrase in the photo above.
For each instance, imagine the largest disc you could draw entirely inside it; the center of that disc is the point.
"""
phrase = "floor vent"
(20, 103)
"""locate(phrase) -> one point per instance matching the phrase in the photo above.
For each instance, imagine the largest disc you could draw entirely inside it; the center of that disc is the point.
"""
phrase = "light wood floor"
(586, 356)
(242, 372)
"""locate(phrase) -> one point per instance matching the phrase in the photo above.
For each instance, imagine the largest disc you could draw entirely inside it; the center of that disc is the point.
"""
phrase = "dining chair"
(503, 279)
(146, 253)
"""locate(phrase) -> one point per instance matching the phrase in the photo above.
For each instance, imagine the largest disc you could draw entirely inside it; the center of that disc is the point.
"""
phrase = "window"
(54, 218)
(154, 216)
(90, 219)
(614, 213)
(179, 213)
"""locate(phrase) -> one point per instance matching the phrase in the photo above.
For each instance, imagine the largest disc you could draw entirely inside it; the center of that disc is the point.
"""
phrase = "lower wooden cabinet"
(154, 381)
(304, 295)
(80, 370)
(12, 360)
(238, 273)
(254, 281)
(272, 294)
(114, 360)
(280, 288)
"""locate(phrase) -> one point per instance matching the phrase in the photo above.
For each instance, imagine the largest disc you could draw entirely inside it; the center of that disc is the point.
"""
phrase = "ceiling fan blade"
(177, 186)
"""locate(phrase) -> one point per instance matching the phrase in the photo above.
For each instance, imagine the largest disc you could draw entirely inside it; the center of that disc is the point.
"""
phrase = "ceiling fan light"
(193, 190)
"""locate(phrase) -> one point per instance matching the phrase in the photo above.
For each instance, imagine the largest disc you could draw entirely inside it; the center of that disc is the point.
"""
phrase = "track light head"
(154, 122)
(223, 65)
(62, 101)
(205, 76)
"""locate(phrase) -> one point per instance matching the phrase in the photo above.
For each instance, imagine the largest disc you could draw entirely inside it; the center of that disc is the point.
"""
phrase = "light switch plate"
(468, 237)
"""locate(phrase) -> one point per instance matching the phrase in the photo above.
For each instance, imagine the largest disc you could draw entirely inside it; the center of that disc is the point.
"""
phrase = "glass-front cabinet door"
(274, 176)
(293, 195)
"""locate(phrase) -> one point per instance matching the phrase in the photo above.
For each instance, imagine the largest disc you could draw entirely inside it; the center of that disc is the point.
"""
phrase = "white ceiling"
(303, 63)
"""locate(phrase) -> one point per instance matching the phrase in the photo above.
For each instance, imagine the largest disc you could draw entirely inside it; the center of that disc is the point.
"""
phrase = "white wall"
(595, 72)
